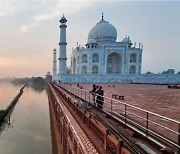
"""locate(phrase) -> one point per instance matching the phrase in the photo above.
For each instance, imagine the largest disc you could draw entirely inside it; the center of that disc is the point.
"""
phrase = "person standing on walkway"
(93, 93)
(100, 98)
(97, 88)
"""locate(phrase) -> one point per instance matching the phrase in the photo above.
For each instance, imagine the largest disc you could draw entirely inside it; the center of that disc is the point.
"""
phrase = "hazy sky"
(29, 30)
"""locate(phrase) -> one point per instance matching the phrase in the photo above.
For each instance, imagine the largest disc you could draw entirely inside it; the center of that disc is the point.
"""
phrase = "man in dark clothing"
(93, 92)
(100, 98)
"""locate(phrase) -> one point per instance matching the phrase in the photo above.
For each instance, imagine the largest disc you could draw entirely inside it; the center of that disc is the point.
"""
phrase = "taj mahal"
(103, 59)
(103, 55)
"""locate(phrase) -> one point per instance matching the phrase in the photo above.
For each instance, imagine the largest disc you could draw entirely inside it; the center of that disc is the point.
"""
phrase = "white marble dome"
(91, 41)
(103, 31)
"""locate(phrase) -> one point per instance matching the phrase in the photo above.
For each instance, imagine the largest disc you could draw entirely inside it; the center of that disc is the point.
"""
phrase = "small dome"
(91, 41)
(63, 19)
(103, 31)
(126, 40)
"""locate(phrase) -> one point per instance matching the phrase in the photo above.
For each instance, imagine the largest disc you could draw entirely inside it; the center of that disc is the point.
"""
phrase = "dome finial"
(102, 16)
(63, 19)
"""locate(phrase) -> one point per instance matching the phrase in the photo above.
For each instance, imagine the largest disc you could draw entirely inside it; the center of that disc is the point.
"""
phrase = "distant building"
(103, 55)
(48, 77)
(103, 59)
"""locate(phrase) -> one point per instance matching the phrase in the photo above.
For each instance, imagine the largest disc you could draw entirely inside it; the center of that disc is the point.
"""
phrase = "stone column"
(54, 65)
(62, 47)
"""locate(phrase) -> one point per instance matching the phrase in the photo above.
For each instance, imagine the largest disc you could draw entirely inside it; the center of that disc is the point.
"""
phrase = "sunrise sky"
(29, 30)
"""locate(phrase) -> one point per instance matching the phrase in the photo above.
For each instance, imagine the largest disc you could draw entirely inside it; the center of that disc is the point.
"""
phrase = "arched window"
(132, 70)
(133, 58)
(95, 58)
(95, 69)
(84, 59)
(84, 70)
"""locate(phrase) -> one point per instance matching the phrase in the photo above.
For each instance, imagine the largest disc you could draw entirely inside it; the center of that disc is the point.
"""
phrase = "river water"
(29, 131)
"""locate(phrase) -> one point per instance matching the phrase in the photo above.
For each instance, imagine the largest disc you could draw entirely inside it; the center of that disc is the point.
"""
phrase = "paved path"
(155, 98)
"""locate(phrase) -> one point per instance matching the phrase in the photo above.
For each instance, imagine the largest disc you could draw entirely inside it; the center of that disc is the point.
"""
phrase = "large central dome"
(103, 31)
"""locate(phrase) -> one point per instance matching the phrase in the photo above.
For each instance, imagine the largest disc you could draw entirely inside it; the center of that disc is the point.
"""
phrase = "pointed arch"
(95, 58)
(133, 58)
(84, 58)
(84, 70)
(95, 69)
(132, 70)
(114, 63)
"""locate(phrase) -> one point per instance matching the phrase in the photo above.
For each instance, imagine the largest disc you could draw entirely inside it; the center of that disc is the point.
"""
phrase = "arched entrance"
(114, 63)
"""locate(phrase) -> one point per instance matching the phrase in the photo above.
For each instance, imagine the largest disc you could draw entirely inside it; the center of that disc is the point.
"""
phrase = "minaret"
(62, 46)
(54, 65)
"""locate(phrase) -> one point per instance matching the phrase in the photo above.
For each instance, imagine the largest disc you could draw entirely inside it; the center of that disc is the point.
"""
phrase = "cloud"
(41, 10)
(23, 29)
(6, 8)
(47, 10)
(63, 6)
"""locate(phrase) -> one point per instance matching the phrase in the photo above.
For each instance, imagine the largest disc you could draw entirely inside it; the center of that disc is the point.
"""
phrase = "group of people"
(98, 94)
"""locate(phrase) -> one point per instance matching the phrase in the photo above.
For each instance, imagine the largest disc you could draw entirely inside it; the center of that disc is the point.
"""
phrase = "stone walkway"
(155, 98)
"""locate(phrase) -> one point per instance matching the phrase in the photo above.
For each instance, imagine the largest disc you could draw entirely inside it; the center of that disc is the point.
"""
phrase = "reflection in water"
(7, 93)
(4, 126)
(30, 132)
(37, 83)
(6, 113)
(36, 87)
